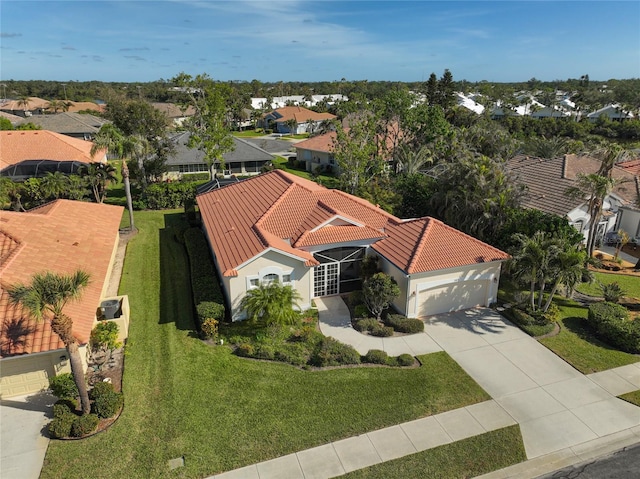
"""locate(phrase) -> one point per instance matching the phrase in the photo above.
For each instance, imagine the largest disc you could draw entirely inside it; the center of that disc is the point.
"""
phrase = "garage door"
(25, 375)
(452, 297)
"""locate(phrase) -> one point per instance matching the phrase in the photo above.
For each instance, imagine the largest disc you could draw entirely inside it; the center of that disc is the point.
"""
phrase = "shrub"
(63, 386)
(612, 292)
(105, 335)
(160, 196)
(355, 298)
(188, 177)
(306, 334)
(366, 324)
(360, 311)
(106, 402)
(211, 312)
(382, 331)
(405, 360)
(84, 425)
(61, 426)
(209, 328)
(264, 351)
(403, 324)
(292, 353)
(611, 323)
(378, 292)
(245, 349)
(64, 406)
(331, 352)
(376, 356)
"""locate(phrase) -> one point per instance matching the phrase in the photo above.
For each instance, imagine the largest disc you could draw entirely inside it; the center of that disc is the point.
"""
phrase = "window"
(193, 168)
(254, 282)
(270, 278)
(286, 278)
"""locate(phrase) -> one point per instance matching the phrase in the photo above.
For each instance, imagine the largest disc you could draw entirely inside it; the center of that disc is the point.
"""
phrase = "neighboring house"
(306, 120)
(76, 106)
(34, 153)
(34, 106)
(629, 222)
(317, 152)
(278, 226)
(547, 181)
(75, 125)
(245, 159)
(176, 115)
(469, 103)
(61, 237)
(282, 101)
(14, 119)
(612, 112)
(549, 112)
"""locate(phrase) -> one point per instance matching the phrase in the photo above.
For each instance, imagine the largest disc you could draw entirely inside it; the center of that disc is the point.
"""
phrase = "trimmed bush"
(265, 351)
(63, 386)
(189, 177)
(64, 406)
(159, 196)
(204, 279)
(360, 311)
(106, 402)
(405, 360)
(403, 324)
(382, 331)
(611, 323)
(306, 334)
(366, 324)
(331, 352)
(376, 356)
(292, 353)
(61, 426)
(245, 349)
(84, 425)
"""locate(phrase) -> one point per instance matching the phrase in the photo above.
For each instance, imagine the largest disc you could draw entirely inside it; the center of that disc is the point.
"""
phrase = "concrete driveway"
(23, 436)
(556, 405)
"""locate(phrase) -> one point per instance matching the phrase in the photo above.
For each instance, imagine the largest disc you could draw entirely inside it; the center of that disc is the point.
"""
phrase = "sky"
(296, 40)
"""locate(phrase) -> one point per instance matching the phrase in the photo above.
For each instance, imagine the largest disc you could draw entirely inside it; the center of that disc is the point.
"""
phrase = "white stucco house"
(278, 226)
(612, 112)
(547, 181)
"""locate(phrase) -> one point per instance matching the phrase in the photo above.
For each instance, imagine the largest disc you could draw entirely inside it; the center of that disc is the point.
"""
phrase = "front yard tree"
(272, 303)
(45, 299)
(208, 128)
(379, 291)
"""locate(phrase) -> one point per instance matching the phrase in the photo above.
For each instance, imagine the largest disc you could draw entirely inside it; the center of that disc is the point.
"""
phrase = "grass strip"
(469, 457)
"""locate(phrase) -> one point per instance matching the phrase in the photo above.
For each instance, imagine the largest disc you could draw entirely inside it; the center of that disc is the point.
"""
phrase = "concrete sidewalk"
(346, 455)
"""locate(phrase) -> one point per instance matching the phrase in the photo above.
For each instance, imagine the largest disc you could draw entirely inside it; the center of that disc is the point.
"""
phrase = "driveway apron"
(556, 406)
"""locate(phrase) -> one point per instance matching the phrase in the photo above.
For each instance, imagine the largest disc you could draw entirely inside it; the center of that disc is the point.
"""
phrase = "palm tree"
(623, 239)
(596, 187)
(55, 105)
(271, 303)
(55, 185)
(23, 101)
(138, 147)
(569, 267)
(410, 162)
(113, 140)
(45, 298)
(292, 124)
(97, 176)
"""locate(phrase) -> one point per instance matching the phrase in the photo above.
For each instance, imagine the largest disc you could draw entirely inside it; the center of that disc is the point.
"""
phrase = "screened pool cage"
(39, 168)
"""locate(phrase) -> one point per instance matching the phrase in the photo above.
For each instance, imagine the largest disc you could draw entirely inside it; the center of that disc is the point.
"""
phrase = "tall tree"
(432, 90)
(111, 138)
(45, 299)
(209, 131)
(446, 91)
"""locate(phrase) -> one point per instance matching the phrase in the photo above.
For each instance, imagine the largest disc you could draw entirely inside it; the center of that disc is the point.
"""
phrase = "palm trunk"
(127, 192)
(543, 284)
(532, 290)
(553, 291)
(78, 376)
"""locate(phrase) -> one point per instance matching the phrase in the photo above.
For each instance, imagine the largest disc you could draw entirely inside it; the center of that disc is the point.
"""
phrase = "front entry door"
(325, 279)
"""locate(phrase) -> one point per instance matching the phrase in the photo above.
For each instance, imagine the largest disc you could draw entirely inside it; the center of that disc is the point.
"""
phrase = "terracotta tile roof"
(547, 180)
(285, 212)
(76, 106)
(61, 237)
(300, 114)
(631, 166)
(427, 244)
(18, 146)
(33, 103)
(322, 143)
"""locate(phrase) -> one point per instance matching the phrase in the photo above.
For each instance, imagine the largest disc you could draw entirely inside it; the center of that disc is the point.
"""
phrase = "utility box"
(110, 308)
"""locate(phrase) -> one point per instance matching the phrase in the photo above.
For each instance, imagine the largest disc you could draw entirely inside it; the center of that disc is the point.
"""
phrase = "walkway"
(564, 416)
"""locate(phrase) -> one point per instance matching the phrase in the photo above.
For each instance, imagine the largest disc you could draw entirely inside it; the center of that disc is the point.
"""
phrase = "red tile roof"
(18, 146)
(427, 244)
(322, 143)
(631, 166)
(300, 114)
(284, 212)
(61, 237)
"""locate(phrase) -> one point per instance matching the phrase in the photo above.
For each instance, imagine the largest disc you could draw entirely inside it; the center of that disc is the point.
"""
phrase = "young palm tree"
(292, 124)
(113, 140)
(55, 185)
(569, 267)
(45, 298)
(410, 162)
(97, 176)
(271, 303)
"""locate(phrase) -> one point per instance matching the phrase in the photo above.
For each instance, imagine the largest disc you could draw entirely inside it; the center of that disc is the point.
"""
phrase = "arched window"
(270, 278)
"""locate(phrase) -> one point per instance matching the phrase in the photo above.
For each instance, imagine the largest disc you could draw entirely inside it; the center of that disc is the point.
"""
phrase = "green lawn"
(327, 180)
(248, 133)
(632, 397)
(577, 345)
(630, 284)
(221, 412)
(467, 458)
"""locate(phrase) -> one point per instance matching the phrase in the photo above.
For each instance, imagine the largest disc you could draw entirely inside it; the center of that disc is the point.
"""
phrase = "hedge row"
(159, 196)
(207, 293)
(402, 324)
(611, 323)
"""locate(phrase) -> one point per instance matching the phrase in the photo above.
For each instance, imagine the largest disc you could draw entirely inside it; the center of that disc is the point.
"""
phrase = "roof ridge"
(50, 205)
(365, 203)
(424, 233)
(476, 240)
(265, 216)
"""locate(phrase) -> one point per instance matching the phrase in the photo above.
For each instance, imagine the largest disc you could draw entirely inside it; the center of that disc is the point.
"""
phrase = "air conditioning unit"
(109, 308)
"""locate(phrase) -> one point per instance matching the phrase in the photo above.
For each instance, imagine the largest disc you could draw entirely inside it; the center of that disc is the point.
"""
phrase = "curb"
(587, 451)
